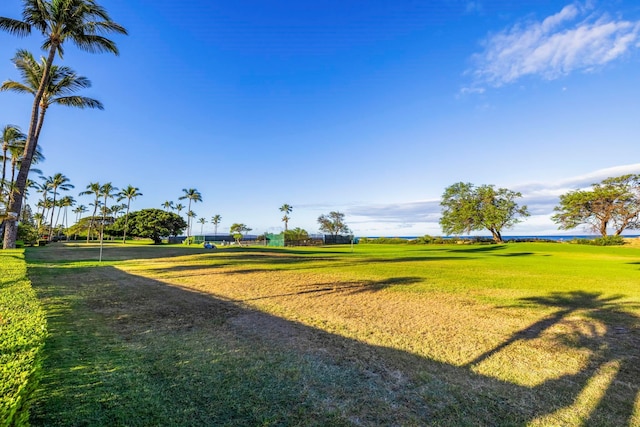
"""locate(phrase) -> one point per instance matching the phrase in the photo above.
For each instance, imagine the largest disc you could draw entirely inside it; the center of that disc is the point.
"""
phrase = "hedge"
(22, 335)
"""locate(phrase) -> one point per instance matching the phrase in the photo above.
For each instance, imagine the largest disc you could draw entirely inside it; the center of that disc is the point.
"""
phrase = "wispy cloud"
(574, 39)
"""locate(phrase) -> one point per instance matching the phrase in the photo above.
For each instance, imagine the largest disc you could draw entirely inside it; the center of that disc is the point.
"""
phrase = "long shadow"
(349, 288)
(482, 248)
(232, 365)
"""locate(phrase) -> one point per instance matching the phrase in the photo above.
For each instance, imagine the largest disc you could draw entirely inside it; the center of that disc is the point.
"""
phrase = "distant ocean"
(543, 237)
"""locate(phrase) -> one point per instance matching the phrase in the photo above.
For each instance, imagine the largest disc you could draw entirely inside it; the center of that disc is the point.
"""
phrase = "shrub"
(601, 241)
(22, 334)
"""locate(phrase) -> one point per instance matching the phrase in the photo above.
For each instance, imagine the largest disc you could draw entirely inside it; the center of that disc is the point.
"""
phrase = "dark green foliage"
(27, 233)
(612, 204)
(22, 334)
(151, 223)
(601, 241)
(295, 237)
(467, 208)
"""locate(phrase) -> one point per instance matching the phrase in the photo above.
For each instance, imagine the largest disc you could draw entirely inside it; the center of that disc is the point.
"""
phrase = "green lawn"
(514, 334)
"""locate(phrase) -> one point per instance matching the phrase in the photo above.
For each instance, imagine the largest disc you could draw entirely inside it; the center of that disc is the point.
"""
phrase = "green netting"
(275, 239)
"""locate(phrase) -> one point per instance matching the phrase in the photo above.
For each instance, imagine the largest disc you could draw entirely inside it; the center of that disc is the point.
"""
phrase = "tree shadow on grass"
(128, 350)
(348, 288)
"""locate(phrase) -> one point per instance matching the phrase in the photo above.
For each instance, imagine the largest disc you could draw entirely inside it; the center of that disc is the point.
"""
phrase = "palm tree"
(12, 136)
(92, 188)
(65, 202)
(202, 222)
(79, 210)
(167, 205)
(62, 83)
(107, 191)
(128, 193)
(58, 181)
(286, 208)
(215, 220)
(179, 207)
(194, 196)
(83, 22)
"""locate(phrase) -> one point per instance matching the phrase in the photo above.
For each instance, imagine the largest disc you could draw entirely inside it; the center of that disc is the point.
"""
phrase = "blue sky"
(371, 108)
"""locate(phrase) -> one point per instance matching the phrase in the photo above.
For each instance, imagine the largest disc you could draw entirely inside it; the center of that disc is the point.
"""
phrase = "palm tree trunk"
(53, 209)
(126, 221)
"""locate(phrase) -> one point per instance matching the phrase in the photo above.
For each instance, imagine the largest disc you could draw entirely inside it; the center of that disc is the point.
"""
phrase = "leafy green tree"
(468, 208)
(287, 209)
(295, 236)
(84, 23)
(238, 231)
(333, 223)
(152, 223)
(215, 220)
(128, 193)
(192, 195)
(613, 204)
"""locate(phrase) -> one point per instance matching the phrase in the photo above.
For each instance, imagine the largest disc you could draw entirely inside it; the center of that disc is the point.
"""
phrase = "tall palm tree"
(92, 188)
(202, 222)
(65, 202)
(55, 183)
(286, 208)
(128, 193)
(215, 220)
(12, 136)
(179, 207)
(194, 196)
(79, 210)
(108, 191)
(168, 205)
(83, 22)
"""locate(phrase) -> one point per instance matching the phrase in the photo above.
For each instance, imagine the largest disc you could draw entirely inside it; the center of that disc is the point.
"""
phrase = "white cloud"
(571, 40)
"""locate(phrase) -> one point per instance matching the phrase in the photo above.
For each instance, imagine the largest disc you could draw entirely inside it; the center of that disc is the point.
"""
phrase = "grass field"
(516, 334)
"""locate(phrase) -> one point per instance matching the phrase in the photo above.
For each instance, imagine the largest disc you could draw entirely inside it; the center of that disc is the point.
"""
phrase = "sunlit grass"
(409, 335)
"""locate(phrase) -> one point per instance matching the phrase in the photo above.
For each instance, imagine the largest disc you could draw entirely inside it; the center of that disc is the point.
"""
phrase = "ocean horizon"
(555, 237)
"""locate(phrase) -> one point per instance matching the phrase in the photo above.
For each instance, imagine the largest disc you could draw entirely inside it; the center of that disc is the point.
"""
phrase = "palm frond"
(78, 102)
(14, 26)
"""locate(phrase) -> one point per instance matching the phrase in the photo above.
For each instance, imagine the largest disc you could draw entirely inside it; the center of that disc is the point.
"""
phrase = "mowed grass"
(515, 334)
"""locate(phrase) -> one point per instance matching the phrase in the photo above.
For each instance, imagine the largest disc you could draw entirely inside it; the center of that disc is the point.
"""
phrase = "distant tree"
(202, 222)
(215, 220)
(152, 223)
(296, 235)
(179, 208)
(468, 208)
(107, 191)
(192, 195)
(129, 193)
(11, 136)
(612, 204)
(93, 188)
(333, 223)
(287, 209)
(168, 205)
(55, 183)
(238, 231)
